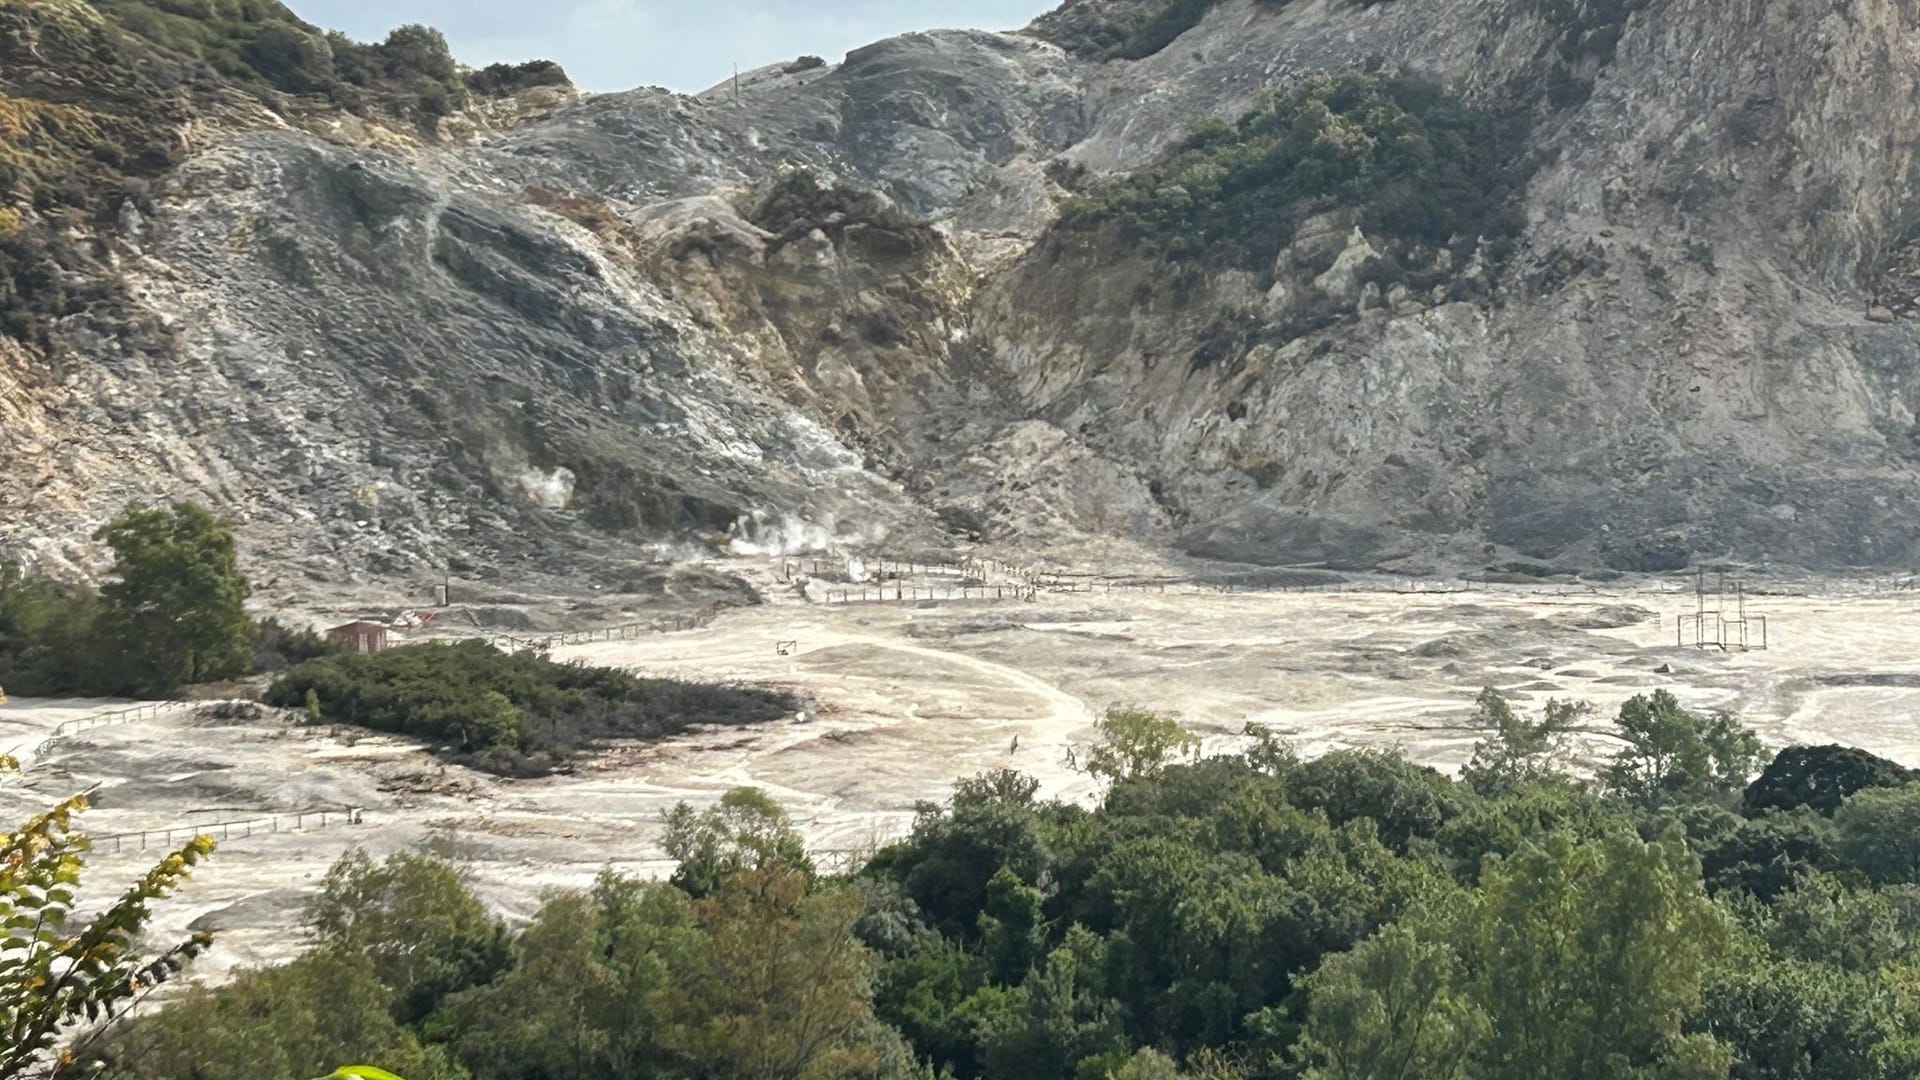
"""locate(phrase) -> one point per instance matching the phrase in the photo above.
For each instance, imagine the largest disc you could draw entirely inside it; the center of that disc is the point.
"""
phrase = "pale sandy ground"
(909, 699)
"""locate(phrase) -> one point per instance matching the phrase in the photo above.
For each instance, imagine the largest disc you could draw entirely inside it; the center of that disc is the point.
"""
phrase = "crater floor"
(909, 697)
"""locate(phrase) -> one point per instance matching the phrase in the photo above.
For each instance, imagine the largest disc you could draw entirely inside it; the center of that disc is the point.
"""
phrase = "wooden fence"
(898, 592)
(624, 632)
(134, 714)
(888, 568)
(168, 839)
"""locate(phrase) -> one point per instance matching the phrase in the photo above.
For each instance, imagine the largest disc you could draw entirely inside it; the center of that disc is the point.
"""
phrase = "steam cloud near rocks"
(759, 533)
(549, 491)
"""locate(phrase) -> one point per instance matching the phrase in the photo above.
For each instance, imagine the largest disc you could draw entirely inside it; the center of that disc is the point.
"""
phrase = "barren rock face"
(842, 297)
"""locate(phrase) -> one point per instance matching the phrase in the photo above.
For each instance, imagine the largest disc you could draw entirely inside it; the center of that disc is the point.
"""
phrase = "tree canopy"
(1253, 916)
(173, 611)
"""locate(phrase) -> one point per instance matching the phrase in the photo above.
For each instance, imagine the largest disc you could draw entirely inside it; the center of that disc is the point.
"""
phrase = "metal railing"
(167, 839)
(134, 714)
(901, 593)
(623, 632)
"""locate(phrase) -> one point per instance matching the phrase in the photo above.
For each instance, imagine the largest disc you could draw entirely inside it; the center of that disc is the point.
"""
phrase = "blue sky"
(685, 45)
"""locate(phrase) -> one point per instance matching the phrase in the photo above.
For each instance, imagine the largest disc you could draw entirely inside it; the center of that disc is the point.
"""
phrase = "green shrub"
(511, 713)
(277, 646)
(46, 635)
(500, 80)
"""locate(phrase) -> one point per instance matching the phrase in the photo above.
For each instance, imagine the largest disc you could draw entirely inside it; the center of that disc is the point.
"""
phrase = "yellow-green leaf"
(359, 1072)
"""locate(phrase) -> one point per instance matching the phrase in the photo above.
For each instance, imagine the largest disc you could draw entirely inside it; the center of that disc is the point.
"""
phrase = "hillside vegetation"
(1424, 172)
(1131, 29)
(72, 163)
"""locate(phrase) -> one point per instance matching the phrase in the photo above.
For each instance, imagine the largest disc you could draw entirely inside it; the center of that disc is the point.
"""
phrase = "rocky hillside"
(1404, 283)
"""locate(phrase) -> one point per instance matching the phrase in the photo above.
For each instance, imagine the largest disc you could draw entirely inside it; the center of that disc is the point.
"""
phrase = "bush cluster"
(1420, 167)
(516, 713)
(499, 80)
(262, 44)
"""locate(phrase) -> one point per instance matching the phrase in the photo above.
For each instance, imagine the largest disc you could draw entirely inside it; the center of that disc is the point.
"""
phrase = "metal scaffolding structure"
(1719, 626)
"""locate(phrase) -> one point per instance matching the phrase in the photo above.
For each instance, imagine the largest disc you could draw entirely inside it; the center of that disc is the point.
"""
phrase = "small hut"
(360, 637)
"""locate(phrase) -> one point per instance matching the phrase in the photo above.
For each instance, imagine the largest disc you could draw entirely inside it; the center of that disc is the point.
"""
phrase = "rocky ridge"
(841, 304)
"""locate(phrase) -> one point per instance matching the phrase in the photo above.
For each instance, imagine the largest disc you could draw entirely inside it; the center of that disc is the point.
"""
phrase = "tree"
(1057, 1018)
(1503, 825)
(1389, 1010)
(1587, 958)
(1012, 928)
(1136, 743)
(991, 823)
(1821, 777)
(1792, 1020)
(746, 830)
(47, 636)
(1518, 751)
(174, 612)
(1404, 800)
(290, 58)
(59, 975)
(1825, 921)
(785, 989)
(925, 995)
(598, 990)
(417, 51)
(1879, 833)
(280, 1023)
(1673, 753)
(1763, 855)
(425, 934)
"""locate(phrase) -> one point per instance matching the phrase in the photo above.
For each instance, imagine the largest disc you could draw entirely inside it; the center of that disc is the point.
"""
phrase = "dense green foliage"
(745, 830)
(510, 712)
(1821, 777)
(47, 637)
(171, 614)
(498, 79)
(262, 44)
(1350, 917)
(765, 978)
(1421, 168)
(173, 609)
